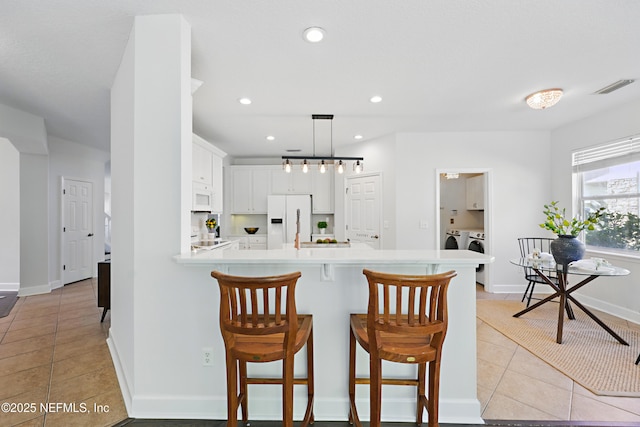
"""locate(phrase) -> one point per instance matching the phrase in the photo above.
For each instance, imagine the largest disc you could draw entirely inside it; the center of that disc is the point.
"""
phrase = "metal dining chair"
(527, 245)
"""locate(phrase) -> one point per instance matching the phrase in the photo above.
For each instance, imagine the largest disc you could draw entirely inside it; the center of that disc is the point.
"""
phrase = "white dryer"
(455, 239)
(475, 243)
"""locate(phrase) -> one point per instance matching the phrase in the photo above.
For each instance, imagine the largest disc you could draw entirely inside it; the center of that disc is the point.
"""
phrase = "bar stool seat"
(259, 323)
(406, 322)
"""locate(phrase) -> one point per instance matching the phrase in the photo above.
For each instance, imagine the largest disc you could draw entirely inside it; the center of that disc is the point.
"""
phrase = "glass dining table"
(564, 290)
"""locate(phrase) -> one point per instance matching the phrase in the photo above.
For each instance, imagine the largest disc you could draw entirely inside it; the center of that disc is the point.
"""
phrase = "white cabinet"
(202, 164)
(252, 242)
(206, 175)
(250, 188)
(475, 193)
(295, 182)
(322, 185)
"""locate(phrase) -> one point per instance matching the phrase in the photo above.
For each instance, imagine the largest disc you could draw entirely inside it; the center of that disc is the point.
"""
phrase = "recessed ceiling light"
(375, 99)
(357, 137)
(313, 34)
(271, 138)
(244, 101)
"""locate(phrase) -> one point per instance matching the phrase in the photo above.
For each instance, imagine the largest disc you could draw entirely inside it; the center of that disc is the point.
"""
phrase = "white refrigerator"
(281, 219)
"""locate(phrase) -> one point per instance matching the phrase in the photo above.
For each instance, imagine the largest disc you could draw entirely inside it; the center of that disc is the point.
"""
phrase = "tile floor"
(53, 351)
(513, 384)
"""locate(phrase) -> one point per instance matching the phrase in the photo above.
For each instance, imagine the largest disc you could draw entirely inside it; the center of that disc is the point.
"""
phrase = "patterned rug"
(7, 301)
(588, 354)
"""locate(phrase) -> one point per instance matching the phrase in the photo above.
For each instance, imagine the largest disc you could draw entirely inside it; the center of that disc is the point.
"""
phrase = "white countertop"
(343, 256)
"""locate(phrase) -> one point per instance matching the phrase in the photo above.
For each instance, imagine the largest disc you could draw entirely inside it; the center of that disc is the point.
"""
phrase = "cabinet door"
(260, 191)
(241, 191)
(280, 182)
(475, 193)
(301, 182)
(322, 191)
(202, 165)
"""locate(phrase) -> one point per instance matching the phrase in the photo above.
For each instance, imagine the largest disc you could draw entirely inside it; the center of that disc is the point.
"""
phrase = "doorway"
(77, 230)
(464, 205)
(363, 209)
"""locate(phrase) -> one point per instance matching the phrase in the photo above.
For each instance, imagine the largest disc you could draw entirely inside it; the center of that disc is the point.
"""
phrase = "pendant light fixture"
(323, 161)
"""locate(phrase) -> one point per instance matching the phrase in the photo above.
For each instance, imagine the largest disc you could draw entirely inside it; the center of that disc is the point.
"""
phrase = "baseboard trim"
(120, 374)
(9, 287)
(34, 290)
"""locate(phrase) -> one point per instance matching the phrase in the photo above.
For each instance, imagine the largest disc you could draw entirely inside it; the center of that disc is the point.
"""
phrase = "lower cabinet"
(250, 242)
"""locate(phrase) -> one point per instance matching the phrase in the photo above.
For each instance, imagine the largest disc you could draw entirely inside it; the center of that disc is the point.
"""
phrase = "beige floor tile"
(484, 332)
(34, 322)
(502, 407)
(535, 393)
(83, 363)
(73, 334)
(26, 346)
(85, 344)
(21, 362)
(630, 404)
(104, 409)
(26, 333)
(587, 409)
(23, 314)
(88, 317)
(30, 415)
(489, 374)
(484, 396)
(494, 353)
(23, 381)
(526, 363)
(84, 386)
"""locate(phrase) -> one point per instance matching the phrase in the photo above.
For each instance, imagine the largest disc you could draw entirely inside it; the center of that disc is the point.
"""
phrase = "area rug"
(588, 354)
(7, 301)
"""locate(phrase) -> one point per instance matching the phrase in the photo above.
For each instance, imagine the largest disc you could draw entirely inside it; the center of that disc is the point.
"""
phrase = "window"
(609, 176)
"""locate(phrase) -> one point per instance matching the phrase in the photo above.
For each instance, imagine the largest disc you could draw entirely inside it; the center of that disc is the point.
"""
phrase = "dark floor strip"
(488, 423)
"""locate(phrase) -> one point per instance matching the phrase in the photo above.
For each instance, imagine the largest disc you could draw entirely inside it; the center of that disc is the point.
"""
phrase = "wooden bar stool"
(255, 329)
(406, 322)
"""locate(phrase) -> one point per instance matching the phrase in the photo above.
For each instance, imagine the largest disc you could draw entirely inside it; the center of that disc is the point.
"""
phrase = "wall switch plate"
(207, 356)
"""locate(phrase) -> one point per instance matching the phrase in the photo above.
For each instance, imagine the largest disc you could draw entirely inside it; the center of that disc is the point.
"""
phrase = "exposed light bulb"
(322, 167)
(287, 166)
(305, 167)
(340, 167)
(357, 167)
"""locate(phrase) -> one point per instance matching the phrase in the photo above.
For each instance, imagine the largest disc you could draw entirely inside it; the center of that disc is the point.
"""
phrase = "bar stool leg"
(422, 373)
(244, 396)
(310, 379)
(232, 391)
(287, 392)
(375, 368)
(434, 392)
(353, 415)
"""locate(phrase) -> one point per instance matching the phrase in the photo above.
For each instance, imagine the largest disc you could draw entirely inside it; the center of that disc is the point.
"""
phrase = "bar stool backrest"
(406, 304)
(258, 305)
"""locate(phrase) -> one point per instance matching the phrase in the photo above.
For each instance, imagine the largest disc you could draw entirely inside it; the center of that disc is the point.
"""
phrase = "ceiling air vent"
(613, 86)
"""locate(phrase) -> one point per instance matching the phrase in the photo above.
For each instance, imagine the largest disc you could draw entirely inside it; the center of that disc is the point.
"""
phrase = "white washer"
(455, 239)
(475, 243)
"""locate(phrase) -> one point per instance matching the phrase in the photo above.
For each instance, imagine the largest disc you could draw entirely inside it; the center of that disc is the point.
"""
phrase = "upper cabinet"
(296, 182)
(475, 193)
(249, 189)
(322, 191)
(206, 175)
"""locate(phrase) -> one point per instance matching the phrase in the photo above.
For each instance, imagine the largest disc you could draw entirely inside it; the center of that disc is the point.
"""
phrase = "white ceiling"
(463, 65)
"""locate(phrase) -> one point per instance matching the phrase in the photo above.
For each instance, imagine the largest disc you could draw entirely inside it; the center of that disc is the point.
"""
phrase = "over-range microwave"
(202, 197)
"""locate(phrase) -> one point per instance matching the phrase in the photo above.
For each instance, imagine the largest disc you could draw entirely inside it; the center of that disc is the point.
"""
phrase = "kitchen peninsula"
(331, 287)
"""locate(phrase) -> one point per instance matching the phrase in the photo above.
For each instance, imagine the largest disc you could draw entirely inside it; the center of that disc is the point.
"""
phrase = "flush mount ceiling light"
(244, 101)
(323, 161)
(313, 34)
(544, 98)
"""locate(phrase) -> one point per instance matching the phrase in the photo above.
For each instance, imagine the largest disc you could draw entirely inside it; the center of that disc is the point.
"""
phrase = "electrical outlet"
(207, 356)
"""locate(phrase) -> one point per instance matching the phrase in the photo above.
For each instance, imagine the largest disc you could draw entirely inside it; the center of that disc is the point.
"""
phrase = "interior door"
(77, 230)
(364, 201)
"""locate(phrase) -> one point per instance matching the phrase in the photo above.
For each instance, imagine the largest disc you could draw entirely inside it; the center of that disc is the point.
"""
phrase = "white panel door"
(364, 201)
(77, 230)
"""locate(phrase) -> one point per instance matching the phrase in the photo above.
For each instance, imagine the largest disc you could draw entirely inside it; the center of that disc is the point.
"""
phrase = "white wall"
(9, 216)
(520, 169)
(74, 161)
(156, 354)
(34, 228)
(617, 296)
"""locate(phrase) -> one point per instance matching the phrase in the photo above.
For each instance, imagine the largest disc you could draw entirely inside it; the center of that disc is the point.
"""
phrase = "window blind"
(613, 153)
